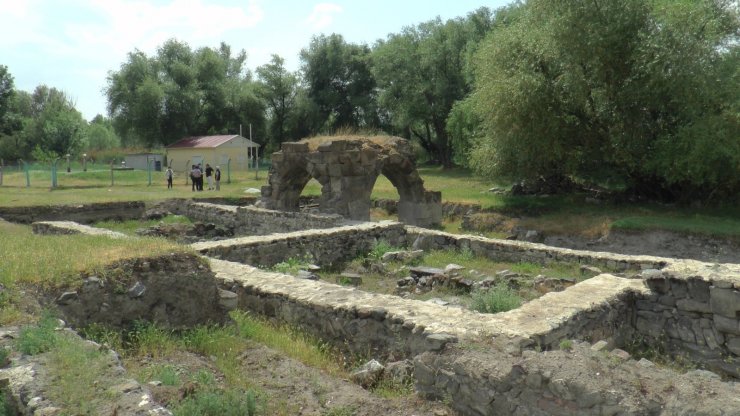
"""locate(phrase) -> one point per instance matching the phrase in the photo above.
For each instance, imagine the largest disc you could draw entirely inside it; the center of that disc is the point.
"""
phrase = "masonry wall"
(693, 316)
(326, 247)
(250, 220)
(520, 251)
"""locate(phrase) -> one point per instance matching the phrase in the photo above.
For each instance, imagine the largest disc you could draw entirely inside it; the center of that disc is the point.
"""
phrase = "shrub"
(496, 299)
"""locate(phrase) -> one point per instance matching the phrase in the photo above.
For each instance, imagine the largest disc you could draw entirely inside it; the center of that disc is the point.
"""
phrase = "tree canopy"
(182, 92)
(645, 92)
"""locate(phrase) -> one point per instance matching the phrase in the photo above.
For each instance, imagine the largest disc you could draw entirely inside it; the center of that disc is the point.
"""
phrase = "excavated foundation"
(506, 363)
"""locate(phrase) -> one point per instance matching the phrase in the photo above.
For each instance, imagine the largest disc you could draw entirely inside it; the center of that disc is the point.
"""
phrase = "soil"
(288, 387)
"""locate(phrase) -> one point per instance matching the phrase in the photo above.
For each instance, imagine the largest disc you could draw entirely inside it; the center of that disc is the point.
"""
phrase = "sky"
(73, 44)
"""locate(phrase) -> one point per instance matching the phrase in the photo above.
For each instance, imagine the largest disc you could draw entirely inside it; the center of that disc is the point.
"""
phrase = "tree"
(6, 94)
(422, 72)
(339, 81)
(278, 88)
(100, 134)
(180, 92)
(644, 91)
(56, 128)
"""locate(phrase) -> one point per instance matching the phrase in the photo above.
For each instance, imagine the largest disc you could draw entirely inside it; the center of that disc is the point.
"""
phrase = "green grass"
(78, 369)
(560, 214)
(496, 299)
(225, 345)
(53, 260)
(696, 224)
(213, 402)
(39, 338)
(130, 227)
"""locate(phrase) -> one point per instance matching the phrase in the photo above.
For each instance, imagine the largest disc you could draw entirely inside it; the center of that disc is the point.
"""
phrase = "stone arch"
(347, 168)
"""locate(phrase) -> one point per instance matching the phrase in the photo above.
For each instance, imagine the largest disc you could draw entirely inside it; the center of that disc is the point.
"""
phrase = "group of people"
(213, 177)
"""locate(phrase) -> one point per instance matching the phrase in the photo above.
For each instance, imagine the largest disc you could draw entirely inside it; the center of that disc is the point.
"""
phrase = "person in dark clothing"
(197, 178)
(192, 177)
(209, 176)
(217, 178)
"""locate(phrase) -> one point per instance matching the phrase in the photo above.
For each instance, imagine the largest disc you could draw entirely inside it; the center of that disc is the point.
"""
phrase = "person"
(199, 169)
(197, 178)
(209, 176)
(192, 177)
(168, 174)
(217, 178)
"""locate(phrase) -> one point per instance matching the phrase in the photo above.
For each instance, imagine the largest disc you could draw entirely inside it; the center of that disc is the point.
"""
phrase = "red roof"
(205, 141)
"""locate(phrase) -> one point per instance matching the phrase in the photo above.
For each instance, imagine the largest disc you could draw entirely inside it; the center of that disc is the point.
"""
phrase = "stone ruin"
(500, 364)
(347, 169)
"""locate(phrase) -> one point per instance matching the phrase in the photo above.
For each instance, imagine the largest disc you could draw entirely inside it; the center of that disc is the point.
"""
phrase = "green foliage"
(644, 90)
(293, 264)
(340, 83)
(496, 299)
(167, 375)
(182, 92)
(379, 248)
(211, 402)
(278, 88)
(422, 72)
(39, 338)
(566, 345)
(103, 335)
(152, 340)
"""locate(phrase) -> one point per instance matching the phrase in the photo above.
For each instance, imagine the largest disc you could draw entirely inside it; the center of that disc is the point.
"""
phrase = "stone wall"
(85, 214)
(251, 220)
(325, 247)
(695, 314)
(176, 291)
(577, 381)
(70, 227)
(521, 251)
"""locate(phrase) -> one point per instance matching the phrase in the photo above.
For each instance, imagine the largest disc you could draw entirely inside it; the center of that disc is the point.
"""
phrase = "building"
(140, 160)
(215, 150)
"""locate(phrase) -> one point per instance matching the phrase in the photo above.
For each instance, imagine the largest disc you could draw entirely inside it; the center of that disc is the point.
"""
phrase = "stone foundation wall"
(175, 291)
(695, 315)
(85, 214)
(579, 381)
(520, 251)
(325, 247)
(250, 220)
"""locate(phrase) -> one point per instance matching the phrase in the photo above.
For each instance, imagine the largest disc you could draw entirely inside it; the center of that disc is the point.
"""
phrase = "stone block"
(294, 147)
(725, 302)
(692, 305)
(678, 288)
(733, 344)
(698, 289)
(727, 325)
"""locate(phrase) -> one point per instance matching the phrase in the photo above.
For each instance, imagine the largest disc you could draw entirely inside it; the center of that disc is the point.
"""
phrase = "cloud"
(322, 15)
(126, 25)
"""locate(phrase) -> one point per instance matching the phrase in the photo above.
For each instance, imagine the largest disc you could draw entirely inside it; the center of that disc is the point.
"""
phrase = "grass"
(130, 227)
(78, 369)
(496, 299)
(57, 260)
(560, 214)
(225, 345)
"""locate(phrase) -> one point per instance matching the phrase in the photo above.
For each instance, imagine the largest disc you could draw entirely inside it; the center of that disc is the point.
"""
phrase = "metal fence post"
(111, 173)
(28, 175)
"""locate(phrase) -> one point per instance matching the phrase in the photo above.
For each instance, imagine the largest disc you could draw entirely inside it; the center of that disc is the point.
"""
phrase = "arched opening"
(287, 187)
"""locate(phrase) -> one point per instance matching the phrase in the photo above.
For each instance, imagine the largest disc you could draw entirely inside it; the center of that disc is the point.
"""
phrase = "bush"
(496, 299)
